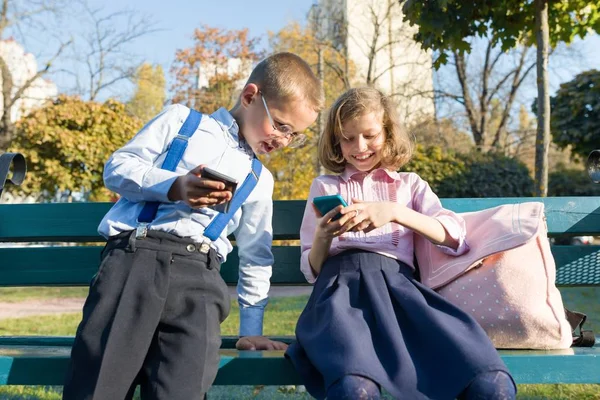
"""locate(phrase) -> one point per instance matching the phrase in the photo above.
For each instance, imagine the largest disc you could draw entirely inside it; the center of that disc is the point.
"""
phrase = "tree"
(304, 41)
(576, 114)
(14, 17)
(473, 174)
(569, 181)
(293, 174)
(67, 143)
(106, 54)
(442, 133)
(296, 170)
(372, 35)
(209, 74)
(520, 143)
(446, 26)
(486, 90)
(149, 96)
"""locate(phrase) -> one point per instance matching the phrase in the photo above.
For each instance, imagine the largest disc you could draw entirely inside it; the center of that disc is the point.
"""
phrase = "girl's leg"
(494, 385)
(354, 387)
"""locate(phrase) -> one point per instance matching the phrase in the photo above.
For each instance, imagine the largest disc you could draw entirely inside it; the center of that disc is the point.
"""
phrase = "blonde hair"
(285, 76)
(354, 103)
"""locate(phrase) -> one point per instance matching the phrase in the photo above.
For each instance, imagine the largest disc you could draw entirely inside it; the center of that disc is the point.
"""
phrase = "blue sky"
(177, 19)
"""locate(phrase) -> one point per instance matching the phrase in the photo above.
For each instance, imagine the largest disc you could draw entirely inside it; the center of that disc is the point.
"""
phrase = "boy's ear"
(248, 94)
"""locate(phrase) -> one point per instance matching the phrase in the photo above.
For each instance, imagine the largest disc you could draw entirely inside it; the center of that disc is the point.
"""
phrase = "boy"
(153, 313)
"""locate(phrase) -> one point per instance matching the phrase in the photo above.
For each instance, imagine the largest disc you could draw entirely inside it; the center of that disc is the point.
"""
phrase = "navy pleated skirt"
(369, 316)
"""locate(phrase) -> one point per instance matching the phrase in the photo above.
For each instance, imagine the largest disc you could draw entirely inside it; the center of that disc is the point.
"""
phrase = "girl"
(369, 322)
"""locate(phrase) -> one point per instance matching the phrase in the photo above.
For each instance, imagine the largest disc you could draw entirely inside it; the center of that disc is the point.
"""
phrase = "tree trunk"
(6, 125)
(321, 119)
(479, 132)
(542, 143)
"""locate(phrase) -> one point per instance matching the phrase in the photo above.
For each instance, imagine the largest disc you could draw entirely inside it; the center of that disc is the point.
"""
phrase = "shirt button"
(191, 248)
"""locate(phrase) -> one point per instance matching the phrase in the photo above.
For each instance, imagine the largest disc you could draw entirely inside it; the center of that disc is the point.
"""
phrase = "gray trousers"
(152, 318)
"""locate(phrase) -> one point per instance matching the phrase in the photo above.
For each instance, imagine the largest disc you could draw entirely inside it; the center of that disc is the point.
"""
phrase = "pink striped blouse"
(392, 240)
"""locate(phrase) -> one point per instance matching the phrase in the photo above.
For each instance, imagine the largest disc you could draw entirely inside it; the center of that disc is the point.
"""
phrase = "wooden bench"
(43, 360)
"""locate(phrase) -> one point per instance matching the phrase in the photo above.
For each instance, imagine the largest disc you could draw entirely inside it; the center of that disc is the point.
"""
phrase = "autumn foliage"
(210, 55)
(67, 143)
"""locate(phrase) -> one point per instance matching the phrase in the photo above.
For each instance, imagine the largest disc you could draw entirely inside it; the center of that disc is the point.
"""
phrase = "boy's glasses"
(287, 133)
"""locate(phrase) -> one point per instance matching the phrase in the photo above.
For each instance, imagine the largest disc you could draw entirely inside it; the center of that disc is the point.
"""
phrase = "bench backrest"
(58, 244)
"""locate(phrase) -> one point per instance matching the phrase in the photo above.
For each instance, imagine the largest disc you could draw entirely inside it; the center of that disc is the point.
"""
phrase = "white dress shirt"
(134, 172)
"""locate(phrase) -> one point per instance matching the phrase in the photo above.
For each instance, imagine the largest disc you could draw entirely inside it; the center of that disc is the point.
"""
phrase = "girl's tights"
(495, 385)
(354, 387)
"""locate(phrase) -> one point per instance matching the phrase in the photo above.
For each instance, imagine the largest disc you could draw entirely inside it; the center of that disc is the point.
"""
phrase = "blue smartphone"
(327, 203)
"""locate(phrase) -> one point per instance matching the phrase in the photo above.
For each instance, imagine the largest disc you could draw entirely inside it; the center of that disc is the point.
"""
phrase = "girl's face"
(362, 141)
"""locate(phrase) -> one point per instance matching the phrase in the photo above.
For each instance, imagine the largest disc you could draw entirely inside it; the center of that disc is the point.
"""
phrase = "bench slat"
(577, 265)
(78, 222)
(46, 365)
(76, 265)
(228, 342)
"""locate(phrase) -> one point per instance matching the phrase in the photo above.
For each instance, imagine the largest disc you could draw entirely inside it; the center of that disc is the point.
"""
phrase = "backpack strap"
(583, 338)
(19, 169)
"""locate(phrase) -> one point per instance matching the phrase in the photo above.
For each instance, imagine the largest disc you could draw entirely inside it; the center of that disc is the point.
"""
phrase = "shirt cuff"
(156, 184)
(251, 318)
(306, 269)
(457, 233)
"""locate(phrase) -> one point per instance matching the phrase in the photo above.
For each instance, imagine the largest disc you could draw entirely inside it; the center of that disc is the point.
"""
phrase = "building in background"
(372, 35)
(23, 66)
(233, 67)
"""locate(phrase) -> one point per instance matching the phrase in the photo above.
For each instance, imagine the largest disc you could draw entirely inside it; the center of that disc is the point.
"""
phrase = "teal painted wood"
(228, 342)
(76, 265)
(42, 360)
(77, 222)
(577, 265)
(47, 365)
(572, 215)
(73, 222)
(554, 366)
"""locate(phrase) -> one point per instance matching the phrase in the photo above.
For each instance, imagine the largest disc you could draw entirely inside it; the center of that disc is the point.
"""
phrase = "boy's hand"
(259, 343)
(198, 192)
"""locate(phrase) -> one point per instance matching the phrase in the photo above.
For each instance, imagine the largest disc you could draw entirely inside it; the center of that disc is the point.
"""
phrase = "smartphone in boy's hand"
(230, 185)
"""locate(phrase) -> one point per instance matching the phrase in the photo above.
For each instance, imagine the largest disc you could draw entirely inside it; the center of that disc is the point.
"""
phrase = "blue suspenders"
(172, 159)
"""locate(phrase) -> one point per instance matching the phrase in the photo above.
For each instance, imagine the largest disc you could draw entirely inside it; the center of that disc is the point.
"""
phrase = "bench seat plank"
(46, 365)
(76, 265)
(228, 342)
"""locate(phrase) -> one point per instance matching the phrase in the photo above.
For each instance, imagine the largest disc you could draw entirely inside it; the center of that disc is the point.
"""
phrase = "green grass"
(216, 393)
(280, 319)
(30, 393)
(18, 294)
(526, 392)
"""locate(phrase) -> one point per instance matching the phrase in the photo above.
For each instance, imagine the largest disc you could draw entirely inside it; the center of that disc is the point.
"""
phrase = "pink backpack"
(507, 279)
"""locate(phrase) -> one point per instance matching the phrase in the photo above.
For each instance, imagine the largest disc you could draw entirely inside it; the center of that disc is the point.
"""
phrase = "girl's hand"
(367, 216)
(326, 228)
